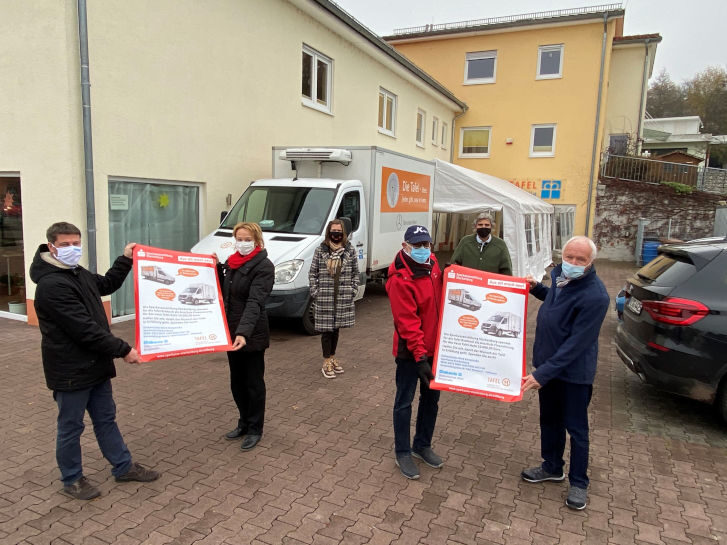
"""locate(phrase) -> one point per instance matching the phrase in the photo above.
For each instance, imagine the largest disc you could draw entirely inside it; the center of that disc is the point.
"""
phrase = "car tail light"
(675, 311)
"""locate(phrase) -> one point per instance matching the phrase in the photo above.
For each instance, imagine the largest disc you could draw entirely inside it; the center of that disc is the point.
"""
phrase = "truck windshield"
(301, 210)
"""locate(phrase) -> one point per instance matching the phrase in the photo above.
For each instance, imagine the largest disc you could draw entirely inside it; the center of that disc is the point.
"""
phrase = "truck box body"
(380, 191)
(157, 274)
(197, 294)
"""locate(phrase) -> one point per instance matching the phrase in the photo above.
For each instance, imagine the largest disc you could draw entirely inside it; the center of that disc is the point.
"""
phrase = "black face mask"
(336, 237)
(483, 232)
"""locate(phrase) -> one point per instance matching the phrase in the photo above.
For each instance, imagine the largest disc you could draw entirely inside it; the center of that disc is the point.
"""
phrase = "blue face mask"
(572, 271)
(69, 255)
(420, 255)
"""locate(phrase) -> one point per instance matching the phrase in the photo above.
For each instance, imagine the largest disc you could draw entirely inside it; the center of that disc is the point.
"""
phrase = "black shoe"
(539, 475)
(139, 473)
(429, 457)
(576, 498)
(234, 434)
(81, 490)
(407, 466)
(250, 441)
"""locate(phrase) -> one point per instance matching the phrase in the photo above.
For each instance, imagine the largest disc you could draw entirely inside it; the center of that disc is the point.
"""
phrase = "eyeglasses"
(419, 244)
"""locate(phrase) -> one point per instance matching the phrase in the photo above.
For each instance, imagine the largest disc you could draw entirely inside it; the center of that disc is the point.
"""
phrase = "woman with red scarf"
(247, 279)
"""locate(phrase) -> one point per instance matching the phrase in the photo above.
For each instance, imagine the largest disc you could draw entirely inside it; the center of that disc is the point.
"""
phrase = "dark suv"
(674, 329)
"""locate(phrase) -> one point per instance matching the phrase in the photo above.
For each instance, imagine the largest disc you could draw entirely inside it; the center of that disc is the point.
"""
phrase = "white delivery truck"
(463, 298)
(156, 274)
(197, 294)
(379, 191)
(503, 323)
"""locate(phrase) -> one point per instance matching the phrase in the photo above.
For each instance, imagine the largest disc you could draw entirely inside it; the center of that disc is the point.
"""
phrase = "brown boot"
(327, 368)
(337, 368)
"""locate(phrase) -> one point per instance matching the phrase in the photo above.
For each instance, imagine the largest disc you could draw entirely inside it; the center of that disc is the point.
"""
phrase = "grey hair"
(581, 238)
(483, 216)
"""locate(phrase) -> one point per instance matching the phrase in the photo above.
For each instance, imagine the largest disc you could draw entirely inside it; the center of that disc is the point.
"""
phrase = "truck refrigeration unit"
(378, 193)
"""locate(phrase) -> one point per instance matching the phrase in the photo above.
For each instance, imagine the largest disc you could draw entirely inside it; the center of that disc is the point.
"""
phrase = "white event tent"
(526, 218)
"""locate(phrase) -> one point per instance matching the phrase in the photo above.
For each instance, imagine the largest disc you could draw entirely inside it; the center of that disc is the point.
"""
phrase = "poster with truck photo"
(481, 344)
(179, 309)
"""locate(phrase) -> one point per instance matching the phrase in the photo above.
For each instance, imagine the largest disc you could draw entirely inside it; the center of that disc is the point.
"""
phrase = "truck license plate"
(634, 305)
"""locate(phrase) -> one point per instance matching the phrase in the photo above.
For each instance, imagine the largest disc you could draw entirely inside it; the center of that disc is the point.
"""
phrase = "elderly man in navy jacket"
(564, 357)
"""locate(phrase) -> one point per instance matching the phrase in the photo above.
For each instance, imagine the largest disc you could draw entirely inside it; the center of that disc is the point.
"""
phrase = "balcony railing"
(553, 14)
(641, 169)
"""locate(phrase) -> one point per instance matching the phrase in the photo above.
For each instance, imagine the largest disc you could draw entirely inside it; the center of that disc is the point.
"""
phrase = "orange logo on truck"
(403, 191)
(165, 294)
(496, 298)
(187, 272)
(468, 321)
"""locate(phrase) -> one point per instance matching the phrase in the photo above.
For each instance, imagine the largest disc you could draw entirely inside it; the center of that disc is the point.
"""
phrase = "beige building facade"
(187, 100)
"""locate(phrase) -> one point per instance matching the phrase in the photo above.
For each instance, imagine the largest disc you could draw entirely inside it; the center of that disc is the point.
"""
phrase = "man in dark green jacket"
(483, 250)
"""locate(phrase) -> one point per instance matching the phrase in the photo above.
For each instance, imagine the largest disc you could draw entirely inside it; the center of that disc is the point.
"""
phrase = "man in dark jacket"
(483, 250)
(78, 351)
(565, 353)
(415, 289)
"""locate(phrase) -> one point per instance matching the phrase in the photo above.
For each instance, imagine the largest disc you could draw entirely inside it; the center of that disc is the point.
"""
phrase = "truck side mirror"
(223, 215)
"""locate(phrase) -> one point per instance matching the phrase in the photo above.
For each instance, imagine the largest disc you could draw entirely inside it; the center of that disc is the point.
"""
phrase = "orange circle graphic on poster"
(187, 272)
(468, 321)
(496, 298)
(164, 294)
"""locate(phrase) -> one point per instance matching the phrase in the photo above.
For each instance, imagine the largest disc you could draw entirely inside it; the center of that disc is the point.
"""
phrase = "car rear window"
(667, 270)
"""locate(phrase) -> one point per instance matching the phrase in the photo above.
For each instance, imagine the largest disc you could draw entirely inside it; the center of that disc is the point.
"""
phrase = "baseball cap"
(417, 233)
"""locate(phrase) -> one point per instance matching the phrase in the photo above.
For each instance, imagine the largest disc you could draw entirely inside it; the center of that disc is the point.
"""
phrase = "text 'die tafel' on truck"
(376, 192)
(462, 298)
(157, 274)
(503, 323)
(197, 294)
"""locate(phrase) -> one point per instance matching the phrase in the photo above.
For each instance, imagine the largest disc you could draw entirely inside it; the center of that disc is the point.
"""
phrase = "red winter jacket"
(415, 304)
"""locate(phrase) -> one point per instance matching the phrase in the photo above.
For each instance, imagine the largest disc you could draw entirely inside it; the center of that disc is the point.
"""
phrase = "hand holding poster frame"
(481, 343)
(179, 308)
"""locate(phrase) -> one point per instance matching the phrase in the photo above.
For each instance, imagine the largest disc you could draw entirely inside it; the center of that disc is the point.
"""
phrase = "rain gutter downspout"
(644, 81)
(598, 121)
(87, 140)
(451, 139)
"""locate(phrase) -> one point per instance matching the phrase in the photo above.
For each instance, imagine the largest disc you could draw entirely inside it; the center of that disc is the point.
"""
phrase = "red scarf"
(237, 260)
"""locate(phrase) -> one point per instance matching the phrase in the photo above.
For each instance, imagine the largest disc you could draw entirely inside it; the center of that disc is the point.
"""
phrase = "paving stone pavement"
(324, 471)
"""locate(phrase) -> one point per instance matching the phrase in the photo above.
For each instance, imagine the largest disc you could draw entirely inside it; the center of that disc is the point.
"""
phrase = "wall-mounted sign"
(118, 202)
(544, 189)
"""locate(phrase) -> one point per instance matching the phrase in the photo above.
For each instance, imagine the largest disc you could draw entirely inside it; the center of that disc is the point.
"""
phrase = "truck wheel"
(499, 332)
(308, 321)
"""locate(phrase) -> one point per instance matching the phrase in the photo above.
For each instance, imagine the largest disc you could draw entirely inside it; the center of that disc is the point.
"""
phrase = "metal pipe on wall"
(90, 243)
(598, 121)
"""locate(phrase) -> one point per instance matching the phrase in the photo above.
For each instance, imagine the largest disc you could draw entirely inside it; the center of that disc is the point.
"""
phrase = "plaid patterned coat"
(333, 309)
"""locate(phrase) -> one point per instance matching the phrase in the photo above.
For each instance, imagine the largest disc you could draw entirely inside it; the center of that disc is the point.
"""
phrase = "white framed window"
(529, 220)
(387, 112)
(435, 130)
(445, 136)
(421, 123)
(480, 67)
(542, 140)
(550, 62)
(474, 141)
(317, 77)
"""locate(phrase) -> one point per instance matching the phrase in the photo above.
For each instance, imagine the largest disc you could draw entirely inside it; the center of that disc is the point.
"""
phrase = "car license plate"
(634, 305)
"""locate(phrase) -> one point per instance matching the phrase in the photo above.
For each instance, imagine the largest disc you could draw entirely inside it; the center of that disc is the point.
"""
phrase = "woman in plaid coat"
(333, 280)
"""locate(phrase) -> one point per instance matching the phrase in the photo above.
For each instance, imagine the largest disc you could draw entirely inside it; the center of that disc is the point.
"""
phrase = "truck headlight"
(286, 272)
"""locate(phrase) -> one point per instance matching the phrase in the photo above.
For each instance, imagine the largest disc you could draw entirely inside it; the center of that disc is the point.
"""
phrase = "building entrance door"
(155, 213)
(12, 262)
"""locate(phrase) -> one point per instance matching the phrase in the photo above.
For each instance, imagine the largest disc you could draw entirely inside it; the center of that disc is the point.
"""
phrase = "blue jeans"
(564, 407)
(406, 384)
(72, 407)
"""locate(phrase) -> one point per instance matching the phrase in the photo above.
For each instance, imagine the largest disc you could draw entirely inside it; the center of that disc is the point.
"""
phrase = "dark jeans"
(564, 407)
(99, 403)
(406, 384)
(329, 342)
(247, 382)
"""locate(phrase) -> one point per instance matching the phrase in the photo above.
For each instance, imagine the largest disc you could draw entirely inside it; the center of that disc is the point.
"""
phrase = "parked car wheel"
(720, 403)
(308, 321)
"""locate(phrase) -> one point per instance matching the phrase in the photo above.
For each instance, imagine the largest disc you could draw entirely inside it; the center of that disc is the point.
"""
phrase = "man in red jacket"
(415, 289)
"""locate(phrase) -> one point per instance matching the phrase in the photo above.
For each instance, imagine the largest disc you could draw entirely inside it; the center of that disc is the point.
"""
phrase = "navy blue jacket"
(566, 336)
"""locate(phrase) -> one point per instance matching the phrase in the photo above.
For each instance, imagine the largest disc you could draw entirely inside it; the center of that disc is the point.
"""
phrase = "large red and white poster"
(179, 308)
(481, 344)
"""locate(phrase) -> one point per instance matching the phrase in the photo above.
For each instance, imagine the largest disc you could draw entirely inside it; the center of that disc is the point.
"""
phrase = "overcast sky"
(693, 32)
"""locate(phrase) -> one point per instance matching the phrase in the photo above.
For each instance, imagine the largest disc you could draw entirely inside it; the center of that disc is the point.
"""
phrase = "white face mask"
(69, 255)
(244, 247)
